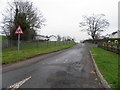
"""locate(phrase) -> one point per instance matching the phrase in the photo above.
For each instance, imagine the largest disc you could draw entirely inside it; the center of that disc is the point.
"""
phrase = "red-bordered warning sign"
(19, 30)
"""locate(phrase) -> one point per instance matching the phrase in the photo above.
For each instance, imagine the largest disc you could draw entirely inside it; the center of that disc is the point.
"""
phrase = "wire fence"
(32, 44)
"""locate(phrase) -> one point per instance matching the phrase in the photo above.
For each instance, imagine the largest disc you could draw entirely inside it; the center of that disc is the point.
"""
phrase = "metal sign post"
(19, 31)
(18, 42)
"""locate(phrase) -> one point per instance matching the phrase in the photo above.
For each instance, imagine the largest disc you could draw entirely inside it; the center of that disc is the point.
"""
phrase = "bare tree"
(94, 24)
(22, 13)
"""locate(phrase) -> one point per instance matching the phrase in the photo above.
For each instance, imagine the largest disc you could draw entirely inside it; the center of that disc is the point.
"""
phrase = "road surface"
(70, 68)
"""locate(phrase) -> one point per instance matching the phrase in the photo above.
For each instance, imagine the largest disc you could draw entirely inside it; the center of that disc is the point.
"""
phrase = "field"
(30, 49)
(107, 63)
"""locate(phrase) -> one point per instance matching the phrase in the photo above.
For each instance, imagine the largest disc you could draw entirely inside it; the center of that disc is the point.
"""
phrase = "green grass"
(0, 38)
(107, 63)
(31, 49)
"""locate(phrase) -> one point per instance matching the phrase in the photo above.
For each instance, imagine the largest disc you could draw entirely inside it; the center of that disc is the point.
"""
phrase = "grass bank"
(31, 49)
(107, 63)
(0, 38)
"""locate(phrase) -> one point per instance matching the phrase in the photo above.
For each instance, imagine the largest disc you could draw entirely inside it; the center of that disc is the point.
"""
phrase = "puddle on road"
(73, 76)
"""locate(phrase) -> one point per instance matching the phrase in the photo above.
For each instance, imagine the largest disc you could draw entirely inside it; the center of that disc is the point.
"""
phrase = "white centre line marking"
(18, 84)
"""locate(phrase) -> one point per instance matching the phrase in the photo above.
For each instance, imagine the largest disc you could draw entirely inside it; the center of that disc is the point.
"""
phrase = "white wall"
(53, 39)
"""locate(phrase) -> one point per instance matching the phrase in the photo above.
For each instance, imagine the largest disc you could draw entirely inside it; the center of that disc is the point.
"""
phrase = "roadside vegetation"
(107, 63)
(0, 38)
(0, 49)
(30, 49)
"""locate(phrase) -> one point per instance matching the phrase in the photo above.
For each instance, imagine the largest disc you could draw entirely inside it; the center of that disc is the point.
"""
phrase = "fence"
(108, 44)
(31, 44)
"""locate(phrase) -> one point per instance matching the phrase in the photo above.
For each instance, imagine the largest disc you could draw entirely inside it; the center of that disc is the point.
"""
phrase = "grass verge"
(31, 49)
(107, 63)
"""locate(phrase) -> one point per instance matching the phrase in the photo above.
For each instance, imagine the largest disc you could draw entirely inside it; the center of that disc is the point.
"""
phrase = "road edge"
(98, 73)
(36, 55)
(29, 60)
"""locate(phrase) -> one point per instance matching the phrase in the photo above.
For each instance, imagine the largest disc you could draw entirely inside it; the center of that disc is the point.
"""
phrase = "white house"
(41, 37)
(52, 38)
(115, 34)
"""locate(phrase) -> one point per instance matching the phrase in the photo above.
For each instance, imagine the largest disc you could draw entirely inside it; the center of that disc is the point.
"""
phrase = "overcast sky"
(63, 16)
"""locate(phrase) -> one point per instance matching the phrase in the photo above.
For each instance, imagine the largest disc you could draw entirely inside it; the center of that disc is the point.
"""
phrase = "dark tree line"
(22, 13)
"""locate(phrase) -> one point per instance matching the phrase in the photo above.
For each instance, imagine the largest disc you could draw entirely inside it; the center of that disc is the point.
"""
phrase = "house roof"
(114, 32)
(42, 36)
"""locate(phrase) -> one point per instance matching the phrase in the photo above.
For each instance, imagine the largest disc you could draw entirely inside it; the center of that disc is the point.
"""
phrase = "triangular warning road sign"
(19, 30)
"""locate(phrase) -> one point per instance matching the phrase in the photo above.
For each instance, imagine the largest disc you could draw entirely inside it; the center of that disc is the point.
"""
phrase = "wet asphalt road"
(71, 68)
